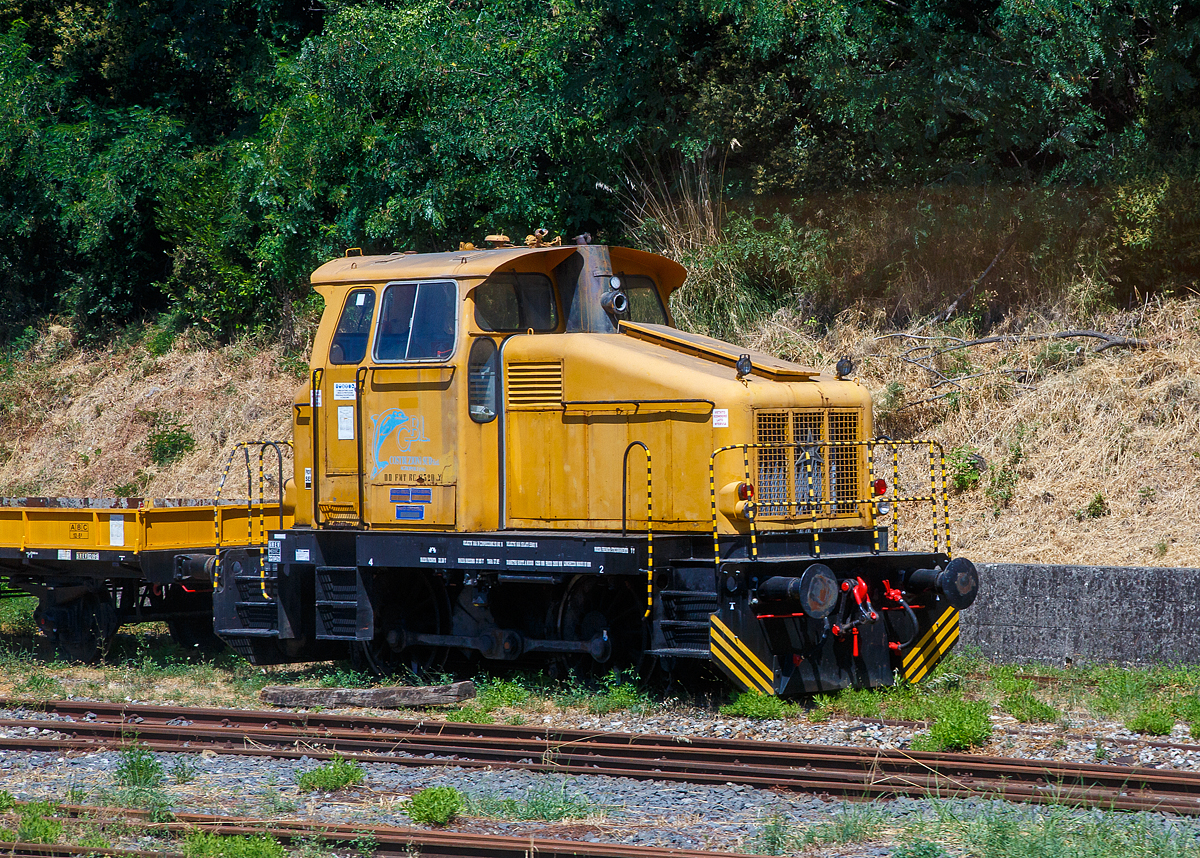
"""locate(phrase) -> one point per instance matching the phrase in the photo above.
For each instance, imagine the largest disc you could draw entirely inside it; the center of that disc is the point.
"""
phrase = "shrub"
(753, 704)
(332, 776)
(1154, 720)
(965, 467)
(435, 805)
(1028, 709)
(1096, 508)
(169, 440)
(139, 769)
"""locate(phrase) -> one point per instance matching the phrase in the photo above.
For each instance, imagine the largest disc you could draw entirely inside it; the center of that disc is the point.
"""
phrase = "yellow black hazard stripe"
(737, 658)
(932, 646)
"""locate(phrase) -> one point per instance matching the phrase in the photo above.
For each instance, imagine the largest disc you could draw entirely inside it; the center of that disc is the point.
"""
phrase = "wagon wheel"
(93, 625)
(593, 605)
(406, 602)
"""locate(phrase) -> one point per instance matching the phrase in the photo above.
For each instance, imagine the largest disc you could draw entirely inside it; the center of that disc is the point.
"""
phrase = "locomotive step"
(674, 593)
(679, 652)
(684, 624)
(248, 633)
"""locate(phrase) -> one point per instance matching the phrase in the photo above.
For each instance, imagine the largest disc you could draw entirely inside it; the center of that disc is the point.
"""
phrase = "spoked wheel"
(596, 606)
(407, 603)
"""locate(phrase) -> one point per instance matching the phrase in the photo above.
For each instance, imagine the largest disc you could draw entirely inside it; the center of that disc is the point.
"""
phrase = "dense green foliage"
(201, 158)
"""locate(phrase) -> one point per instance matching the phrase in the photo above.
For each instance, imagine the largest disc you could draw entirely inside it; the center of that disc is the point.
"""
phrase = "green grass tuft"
(1028, 709)
(330, 777)
(37, 823)
(139, 769)
(200, 844)
(753, 704)
(957, 726)
(436, 805)
(546, 803)
(1156, 720)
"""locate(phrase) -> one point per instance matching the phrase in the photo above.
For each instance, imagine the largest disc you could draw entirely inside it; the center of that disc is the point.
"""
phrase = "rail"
(649, 516)
(817, 500)
(244, 448)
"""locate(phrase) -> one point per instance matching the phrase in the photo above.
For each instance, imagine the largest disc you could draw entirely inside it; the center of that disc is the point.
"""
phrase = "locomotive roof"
(460, 264)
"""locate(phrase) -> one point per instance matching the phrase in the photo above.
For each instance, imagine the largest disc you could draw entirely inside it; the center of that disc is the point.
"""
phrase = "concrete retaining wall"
(1085, 614)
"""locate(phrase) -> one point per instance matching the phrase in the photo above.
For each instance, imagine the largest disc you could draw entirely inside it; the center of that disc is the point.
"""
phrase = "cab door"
(335, 399)
(409, 408)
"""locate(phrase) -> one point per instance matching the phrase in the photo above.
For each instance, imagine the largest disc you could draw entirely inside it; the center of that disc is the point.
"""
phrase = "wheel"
(593, 606)
(85, 628)
(406, 603)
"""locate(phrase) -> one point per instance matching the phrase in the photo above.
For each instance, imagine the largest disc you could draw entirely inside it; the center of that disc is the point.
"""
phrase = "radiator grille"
(810, 479)
(537, 384)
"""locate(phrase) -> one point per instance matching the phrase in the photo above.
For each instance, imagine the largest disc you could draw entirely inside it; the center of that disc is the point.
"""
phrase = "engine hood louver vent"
(765, 365)
(534, 385)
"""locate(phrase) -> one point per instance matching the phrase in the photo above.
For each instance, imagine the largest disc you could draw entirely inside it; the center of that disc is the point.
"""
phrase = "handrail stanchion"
(649, 516)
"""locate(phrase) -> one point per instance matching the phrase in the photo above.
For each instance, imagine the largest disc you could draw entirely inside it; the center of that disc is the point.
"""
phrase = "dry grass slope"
(76, 423)
(1057, 422)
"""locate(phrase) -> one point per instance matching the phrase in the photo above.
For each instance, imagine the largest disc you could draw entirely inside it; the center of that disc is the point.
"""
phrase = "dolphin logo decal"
(393, 423)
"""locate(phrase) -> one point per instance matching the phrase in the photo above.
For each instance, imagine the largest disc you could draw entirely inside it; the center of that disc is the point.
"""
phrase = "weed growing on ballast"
(332, 776)
(139, 769)
(200, 844)
(38, 823)
(753, 704)
(435, 805)
(958, 725)
(854, 823)
(1155, 720)
(775, 836)
(550, 803)
(1028, 709)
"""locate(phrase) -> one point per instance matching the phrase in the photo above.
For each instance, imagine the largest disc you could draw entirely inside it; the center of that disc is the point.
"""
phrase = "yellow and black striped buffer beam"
(742, 664)
(932, 647)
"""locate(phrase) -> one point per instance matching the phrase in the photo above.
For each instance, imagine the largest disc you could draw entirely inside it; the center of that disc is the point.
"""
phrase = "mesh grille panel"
(809, 479)
(843, 471)
(773, 465)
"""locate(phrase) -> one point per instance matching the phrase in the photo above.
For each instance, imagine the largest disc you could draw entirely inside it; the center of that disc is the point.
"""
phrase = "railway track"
(835, 770)
(387, 840)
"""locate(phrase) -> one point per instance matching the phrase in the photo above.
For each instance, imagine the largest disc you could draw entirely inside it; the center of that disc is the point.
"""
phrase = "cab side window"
(516, 302)
(350, 339)
(417, 321)
(645, 305)
(481, 380)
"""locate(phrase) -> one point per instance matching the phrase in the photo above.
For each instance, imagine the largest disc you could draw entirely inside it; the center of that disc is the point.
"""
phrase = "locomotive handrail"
(937, 480)
(218, 544)
(649, 517)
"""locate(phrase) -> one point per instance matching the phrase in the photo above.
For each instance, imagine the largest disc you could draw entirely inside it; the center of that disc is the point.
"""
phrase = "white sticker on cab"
(345, 422)
(720, 418)
(343, 390)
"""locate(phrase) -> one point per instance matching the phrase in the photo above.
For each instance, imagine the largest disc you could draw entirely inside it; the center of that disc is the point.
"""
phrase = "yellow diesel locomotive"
(510, 454)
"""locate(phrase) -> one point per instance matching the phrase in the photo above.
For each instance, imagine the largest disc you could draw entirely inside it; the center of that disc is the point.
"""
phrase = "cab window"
(516, 302)
(645, 305)
(417, 322)
(350, 339)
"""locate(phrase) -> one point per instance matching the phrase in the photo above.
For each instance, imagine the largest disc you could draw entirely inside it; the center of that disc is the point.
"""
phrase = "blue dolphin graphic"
(393, 422)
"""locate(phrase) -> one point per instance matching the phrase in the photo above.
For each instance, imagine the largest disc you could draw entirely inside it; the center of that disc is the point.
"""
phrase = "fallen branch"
(1110, 341)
